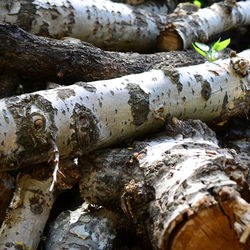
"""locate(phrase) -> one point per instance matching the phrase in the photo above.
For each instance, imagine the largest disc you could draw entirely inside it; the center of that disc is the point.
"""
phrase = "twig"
(55, 162)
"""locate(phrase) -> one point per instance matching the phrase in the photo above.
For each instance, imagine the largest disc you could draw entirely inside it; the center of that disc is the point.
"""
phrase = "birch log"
(31, 204)
(203, 24)
(177, 187)
(28, 212)
(109, 25)
(26, 58)
(87, 116)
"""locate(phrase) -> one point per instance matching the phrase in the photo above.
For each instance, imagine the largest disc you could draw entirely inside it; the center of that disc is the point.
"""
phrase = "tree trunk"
(87, 116)
(203, 24)
(173, 187)
(35, 58)
(109, 25)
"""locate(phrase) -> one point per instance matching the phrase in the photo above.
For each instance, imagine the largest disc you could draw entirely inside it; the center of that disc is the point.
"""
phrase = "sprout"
(211, 53)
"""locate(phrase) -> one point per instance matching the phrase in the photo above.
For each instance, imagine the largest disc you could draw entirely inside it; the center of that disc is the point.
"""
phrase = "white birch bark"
(109, 25)
(203, 24)
(27, 215)
(87, 116)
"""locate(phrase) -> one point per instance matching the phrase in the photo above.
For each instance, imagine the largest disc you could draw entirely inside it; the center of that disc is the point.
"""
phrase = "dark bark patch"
(205, 87)
(26, 15)
(139, 102)
(65, 93)
(174, 76)
(224, 104)
(36, 204)
(32, 142)
(87, 86)
(86, 129)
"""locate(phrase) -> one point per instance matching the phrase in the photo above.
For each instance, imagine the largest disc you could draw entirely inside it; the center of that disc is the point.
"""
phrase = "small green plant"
(211, 53)
(197, 3)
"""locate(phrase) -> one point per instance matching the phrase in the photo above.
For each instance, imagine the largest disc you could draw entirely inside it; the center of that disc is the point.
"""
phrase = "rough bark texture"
(177, 187)
(203, 24)
(83, 229)
(87, 116)
(7, 186)
(35, 58)
(109, 25)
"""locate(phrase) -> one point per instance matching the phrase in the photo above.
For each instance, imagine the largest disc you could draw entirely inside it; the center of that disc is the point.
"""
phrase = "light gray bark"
(83, 229)
(203, 24)
(87, 116)
(109, 25)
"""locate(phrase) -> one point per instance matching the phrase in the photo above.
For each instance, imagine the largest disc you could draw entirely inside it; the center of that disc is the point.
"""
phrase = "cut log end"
(217, 226)
(209, 228)
(169, 39)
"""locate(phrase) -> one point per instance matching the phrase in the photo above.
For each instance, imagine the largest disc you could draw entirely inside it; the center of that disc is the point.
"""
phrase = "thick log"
(86, 116)
(83, 229)
(106, 24)
(35, 58)
(202, 25)
(176, 188)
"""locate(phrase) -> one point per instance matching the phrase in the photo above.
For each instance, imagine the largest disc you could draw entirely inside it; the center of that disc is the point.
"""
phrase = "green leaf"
(202, 46)
(216, 45)
(221, 45)
(199, 50)
(197, 3)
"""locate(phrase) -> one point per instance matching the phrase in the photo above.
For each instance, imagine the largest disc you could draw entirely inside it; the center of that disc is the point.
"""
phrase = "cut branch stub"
(203, 24)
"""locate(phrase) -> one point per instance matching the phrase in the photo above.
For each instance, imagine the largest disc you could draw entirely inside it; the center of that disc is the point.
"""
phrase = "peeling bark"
(172, 187)
(109, 25)
(86, 116)
(35, 58)
(83, 229)
(203, 24)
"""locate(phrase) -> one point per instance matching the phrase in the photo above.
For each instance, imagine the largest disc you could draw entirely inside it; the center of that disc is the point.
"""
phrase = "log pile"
(126, 130)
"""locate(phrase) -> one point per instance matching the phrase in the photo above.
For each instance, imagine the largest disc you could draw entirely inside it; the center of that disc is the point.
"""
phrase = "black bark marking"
(86, 129)
(174, 76)
(37, 203)
(139, 102)
(205, 87)
(65, 93)
(140, 19)
(224, 104)
(87, 86)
